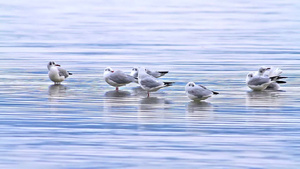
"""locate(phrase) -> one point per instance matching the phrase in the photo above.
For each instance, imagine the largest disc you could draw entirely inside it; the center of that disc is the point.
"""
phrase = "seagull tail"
(274, 78)
(168, 83)
(281, 77)
(163, 72)
(280, 82)
(215, 92)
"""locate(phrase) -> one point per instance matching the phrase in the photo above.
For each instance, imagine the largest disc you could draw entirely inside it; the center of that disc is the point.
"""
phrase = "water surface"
(84, 123)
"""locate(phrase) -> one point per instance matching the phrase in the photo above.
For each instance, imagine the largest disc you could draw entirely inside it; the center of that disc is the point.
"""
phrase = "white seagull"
(150, 83)
(265, 71)
(268, 71)
(117, 78)
(259, 83)
(156, 74)
(198, 92)
(56, 73)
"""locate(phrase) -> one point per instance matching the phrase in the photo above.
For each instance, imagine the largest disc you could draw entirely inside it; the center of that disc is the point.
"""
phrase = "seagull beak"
(57, 65)
(112, 71)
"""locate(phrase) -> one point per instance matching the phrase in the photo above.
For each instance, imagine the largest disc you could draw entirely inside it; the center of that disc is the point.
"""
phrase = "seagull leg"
(117, 88)
(148, 94)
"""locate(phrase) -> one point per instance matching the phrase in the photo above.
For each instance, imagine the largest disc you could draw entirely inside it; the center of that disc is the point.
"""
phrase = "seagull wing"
(121, 78)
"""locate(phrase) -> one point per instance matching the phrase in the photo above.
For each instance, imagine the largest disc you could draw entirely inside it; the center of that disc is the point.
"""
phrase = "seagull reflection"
(199, 110)
(266, 98)
(139, 91)
(153, 110)
(154, 100)
(117, 93)
(57, 90)
(116, 103)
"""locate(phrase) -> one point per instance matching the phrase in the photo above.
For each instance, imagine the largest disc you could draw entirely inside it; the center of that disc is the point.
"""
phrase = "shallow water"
(84, 123)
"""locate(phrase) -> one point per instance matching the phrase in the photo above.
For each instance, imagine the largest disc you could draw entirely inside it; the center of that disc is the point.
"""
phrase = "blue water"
(84, 123)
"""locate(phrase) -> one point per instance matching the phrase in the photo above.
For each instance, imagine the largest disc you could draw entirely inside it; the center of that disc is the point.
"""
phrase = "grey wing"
(63, 72)
(150, 82)
(200, 92)
(258, 81)
(154, 73)
(121, 78)
(202, 86)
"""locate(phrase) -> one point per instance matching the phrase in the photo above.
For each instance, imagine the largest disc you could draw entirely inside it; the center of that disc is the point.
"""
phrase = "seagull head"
(249, 76)
(142, 72)
(262, 70)
(108, 71)
(50, 64)
(190, 85)
(134, 72)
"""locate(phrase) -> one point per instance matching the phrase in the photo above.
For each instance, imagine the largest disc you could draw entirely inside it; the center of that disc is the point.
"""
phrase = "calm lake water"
(84, 123)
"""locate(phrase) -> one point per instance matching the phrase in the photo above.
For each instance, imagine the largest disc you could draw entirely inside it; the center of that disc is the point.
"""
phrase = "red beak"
(57, 65)
(112, 71)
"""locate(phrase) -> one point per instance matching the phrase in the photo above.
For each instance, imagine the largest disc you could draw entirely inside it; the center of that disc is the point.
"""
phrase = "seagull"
(198, 92)
(156, 74)
(56, 73)
(150, 83)
(265, 71)
(117, 78)
(259, 83)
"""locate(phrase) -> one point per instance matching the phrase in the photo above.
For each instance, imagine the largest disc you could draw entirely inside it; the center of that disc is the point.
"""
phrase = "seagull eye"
(192, 85)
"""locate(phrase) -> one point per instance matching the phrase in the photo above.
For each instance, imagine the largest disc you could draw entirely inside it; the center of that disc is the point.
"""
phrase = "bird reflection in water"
(151, 103)
(266, 98)
(153, 110)
(57, 90)
(139, 91)
(117, 93)
(116, 103)
(199, 110)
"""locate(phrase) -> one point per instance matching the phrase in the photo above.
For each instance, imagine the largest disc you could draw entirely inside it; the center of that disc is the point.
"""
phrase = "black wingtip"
(280, 82)
(274, 77)
(164, 72)
(70, 73)
(215, 93)
(282, 77)
(168, 83)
